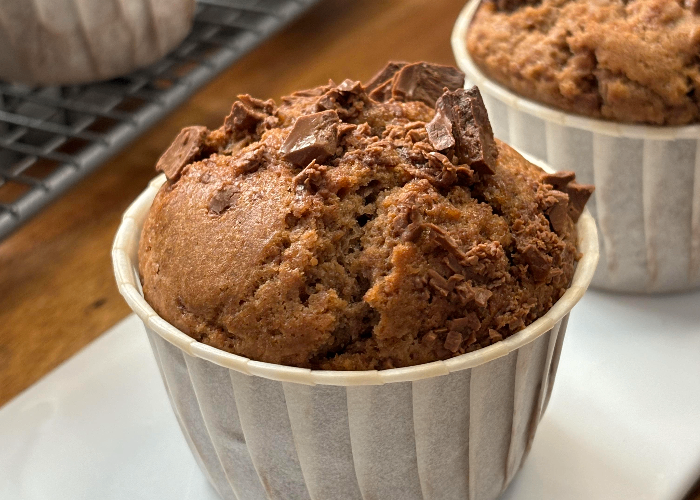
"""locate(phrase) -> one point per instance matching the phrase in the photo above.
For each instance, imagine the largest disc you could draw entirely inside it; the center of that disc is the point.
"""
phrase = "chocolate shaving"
(223, 199)
(313, 137)
(453, 341)
(471, 129)
(444, 240)
(425, 82)
(438, 282)
(185, 148)
(384, 76)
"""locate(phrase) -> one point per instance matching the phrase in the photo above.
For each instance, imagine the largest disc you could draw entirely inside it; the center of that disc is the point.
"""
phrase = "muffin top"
(357, 227)
(635, 61)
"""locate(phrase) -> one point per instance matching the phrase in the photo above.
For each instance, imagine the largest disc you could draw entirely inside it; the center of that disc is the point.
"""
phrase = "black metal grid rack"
(50, 138)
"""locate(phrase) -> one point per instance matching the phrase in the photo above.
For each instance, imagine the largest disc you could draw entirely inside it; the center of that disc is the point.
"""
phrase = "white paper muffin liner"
(647, 179)
(452, 429)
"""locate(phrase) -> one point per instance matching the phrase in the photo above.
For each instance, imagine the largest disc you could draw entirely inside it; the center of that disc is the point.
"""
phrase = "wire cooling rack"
(50, 138)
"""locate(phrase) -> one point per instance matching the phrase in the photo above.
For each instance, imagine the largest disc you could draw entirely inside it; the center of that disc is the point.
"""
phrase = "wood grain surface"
(57, 290)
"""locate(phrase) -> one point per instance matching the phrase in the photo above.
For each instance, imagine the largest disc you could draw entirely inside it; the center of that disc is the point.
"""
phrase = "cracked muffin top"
(357, 227)
(634, 61)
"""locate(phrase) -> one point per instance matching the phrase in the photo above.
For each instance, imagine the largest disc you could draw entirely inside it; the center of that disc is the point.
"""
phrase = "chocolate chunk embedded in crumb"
(470, 128)
(313, 137)
(425, 82)
(223, 199)
(184, 149)
(453, 341)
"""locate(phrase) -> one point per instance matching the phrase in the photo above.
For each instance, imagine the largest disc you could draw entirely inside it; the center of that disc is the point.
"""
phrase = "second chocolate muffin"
(357, 227)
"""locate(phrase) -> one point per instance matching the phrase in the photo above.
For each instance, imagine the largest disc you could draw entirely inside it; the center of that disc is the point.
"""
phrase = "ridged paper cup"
(446, 430)
(647, 179)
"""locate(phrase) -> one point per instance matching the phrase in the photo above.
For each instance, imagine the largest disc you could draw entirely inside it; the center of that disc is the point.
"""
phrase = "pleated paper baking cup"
(452, 429)
(647, 179)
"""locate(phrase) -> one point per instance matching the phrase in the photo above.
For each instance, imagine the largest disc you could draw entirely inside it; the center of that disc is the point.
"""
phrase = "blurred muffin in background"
(57, 42)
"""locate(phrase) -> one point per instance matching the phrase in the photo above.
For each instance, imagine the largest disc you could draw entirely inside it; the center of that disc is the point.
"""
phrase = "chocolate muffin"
(635, 61)
(357, 227)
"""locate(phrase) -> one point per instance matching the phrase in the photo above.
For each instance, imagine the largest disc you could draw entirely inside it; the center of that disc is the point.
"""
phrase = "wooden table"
(57, 290)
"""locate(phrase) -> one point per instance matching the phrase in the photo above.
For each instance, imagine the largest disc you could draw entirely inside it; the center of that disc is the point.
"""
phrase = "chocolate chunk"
(538, 262)
(425, 82)
(693, 5)
(313, 137)
(482, 296)
(223, 199)
(444, 240)
(453, 341)
(185, 148)
(559, 180)
(383, 92)
(346, 99)
(384, 76)
(246, 114)
(430, 337)
(440, 131)
(471, 129)
(578, 196)
(578, 193)
(494, 335)
(438, 282)
(249, 161)
(558, 211)
(465, 324)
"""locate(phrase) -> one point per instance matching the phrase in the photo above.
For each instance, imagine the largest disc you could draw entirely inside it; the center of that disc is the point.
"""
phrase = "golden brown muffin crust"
(379, 252)
(635, 61)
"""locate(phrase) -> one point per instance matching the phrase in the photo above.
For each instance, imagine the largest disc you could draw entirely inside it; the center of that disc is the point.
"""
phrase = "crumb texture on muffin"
(634, 61)
(343, 231)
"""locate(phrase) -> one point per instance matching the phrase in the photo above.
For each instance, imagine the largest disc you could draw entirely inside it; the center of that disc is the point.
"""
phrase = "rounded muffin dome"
(357, 227)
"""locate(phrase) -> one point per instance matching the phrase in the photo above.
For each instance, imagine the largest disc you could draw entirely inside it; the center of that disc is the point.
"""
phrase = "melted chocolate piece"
(425, 82)
(471, 129)
(223, 199)
(313, 137)
(185, 148)
(384, 76)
